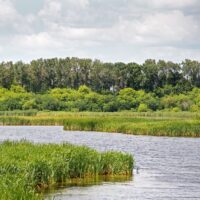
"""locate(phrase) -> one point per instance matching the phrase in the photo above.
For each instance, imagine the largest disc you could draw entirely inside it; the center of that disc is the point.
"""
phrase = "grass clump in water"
(26, 168)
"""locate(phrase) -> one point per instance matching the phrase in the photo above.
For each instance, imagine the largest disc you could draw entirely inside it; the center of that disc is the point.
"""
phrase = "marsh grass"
(27, 168)
(14, 187)
(156, 124)
(19, 113)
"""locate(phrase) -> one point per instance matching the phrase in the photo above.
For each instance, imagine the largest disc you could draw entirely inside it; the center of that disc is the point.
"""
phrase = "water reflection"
(86, 182)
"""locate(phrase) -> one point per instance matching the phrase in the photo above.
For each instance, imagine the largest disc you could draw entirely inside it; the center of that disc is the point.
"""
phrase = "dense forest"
(74, 84)
(151, 76)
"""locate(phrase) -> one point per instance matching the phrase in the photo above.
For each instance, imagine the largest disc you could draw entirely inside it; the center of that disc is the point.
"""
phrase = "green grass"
(182, 124)
(26, 168)
(19, 113)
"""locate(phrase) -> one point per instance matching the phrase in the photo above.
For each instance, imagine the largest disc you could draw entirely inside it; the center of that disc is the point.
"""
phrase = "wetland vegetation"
(154, 98)
(151, 123)
(27, 169)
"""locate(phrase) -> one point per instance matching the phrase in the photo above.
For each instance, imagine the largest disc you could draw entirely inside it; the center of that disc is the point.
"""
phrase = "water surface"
(169, 168)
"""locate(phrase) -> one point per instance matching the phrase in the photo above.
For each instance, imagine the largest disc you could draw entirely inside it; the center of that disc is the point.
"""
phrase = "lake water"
(169, 168)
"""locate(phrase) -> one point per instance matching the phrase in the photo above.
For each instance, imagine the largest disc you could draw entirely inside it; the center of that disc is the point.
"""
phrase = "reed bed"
(26, 168)
(19, 113)
(155, 124)
(156, 114)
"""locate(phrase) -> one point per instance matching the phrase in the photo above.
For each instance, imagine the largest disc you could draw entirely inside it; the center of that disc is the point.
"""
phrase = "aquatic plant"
(156, 124)
(19, 113)
(27, 168)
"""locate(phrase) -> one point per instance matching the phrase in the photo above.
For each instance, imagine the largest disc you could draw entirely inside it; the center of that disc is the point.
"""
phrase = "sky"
(109, 30)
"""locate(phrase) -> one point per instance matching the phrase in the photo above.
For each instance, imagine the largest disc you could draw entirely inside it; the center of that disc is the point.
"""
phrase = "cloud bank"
(110, 30)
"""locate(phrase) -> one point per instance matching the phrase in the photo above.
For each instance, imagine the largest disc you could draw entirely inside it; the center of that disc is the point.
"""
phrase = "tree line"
(160, 77)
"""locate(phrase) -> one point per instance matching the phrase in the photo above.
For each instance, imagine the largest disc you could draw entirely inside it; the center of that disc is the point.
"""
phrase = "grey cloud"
(105, 29)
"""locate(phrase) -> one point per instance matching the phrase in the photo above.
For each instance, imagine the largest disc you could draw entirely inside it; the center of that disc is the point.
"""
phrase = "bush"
(31, 104)
(176, 109)
(143, 108)
(194, 108)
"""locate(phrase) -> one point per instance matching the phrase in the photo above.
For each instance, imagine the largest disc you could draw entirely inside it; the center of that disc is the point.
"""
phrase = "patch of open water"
(169, 168)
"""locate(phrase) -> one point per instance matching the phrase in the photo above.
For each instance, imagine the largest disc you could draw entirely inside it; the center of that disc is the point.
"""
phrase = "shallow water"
(169, 168)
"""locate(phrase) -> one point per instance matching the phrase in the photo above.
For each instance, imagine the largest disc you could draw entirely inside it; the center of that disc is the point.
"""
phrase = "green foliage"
(142, 108)
(84, 89)
(161, 77)
(19, 113)
(113, 163)
(171, 123)
(30, 104)
(85, 99)
(194, 108)
(14, 187)
(176, 109)
(26, 169)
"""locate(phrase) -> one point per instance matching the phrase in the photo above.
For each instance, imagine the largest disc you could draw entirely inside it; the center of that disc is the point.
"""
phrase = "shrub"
(142, 108)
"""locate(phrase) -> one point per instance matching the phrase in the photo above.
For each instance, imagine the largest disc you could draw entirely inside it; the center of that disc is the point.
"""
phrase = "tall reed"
(27, 168)
(177, 125)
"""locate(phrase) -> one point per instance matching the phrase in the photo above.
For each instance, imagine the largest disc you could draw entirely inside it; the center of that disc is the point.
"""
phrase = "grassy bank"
(27, 168)
(183, 124)
(19, 113)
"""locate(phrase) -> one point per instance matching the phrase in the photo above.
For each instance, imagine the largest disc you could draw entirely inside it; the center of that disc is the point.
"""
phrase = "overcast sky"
(110, 30)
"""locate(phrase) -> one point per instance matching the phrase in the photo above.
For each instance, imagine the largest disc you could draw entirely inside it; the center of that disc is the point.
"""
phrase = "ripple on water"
(169, 167)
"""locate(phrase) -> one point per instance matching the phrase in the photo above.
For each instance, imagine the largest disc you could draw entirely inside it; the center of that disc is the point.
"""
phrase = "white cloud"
(73, 33)
(166, 4)
(41, 40)
(7, 12)
(11, 22)
(173, 3)
(52, 9)
(78, 3)
(160, 28)
(168, 53)
(169, 28)
(157, 28)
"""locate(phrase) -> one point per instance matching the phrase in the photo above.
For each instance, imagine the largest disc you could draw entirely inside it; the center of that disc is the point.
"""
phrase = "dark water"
(169, 168)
